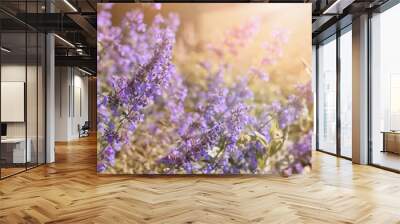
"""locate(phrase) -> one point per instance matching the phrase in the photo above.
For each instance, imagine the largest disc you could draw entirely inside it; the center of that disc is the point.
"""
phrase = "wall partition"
(327, 95)
(13, 90)
(345, 61)
(22, 91)
(334, 94)
(71, 102)
(385, 89)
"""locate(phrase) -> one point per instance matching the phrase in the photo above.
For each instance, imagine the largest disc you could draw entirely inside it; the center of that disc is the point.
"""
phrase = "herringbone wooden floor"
(69, 191)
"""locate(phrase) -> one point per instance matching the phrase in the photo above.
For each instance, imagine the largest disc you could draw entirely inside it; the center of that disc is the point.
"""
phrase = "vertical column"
(360, 90)
(338, 91)
(92, 101)
(314, 87)
(50, 92)
(316, 105)
(50, 99)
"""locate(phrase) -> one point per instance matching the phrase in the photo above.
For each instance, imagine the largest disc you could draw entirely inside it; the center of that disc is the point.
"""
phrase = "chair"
(84, 130)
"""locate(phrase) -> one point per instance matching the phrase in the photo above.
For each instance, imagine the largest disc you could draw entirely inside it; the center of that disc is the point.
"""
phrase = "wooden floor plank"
(70, 191)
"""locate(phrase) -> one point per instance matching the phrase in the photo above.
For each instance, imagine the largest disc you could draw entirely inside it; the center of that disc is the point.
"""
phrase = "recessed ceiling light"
(5, 50)
(84, 71)
(338, 6)
(70, 5)
(64, 40)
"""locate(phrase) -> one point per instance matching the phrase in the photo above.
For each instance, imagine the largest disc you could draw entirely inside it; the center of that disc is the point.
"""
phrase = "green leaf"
(261, 162)
(275, 131)
(276, 145)
(260, 137)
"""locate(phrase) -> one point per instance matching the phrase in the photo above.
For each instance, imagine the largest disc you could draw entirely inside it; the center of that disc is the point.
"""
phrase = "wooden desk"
(391, 141)
(13, 150)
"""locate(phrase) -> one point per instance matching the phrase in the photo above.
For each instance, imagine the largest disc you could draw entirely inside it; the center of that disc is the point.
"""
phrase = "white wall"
(33, 127)
(12, 73)
(80, 109)
(62, 81)
(71, 94)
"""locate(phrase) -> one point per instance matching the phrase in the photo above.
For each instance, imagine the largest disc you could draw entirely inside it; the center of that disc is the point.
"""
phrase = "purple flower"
(298, 167)
(281, 34)
(188, 167)
(106, 6)
(301, 152)
(222, 116)
(141, 67)
(287, 117)
(260, 74)
(287, 172)
(148, 108)
(276, 106)
(101, 167)
(156, 6)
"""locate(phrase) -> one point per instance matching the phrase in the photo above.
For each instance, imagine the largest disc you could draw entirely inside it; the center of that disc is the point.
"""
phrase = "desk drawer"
(6, 154)
(14, 152)
(392, 142)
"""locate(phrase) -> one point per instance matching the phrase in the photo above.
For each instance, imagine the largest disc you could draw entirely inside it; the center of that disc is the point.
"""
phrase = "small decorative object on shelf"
(391, 141)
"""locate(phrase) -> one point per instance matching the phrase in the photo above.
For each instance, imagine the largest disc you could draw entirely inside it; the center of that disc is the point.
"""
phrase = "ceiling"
(332, 15)
(75, 22)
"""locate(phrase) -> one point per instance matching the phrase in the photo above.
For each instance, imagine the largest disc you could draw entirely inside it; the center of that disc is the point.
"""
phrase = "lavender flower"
(139, 66)
(154, 117)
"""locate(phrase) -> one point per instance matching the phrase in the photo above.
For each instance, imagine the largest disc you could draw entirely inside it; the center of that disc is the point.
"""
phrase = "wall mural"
(206, 88)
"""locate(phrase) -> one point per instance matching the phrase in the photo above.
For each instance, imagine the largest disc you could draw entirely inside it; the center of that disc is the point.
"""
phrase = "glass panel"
(41, 99)
(77, 110)
(13, 86)
(22, 88)
(314, 87)
(31, 97)
(327, 96)
(32, 87)
(346, 94)
(386, 89)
